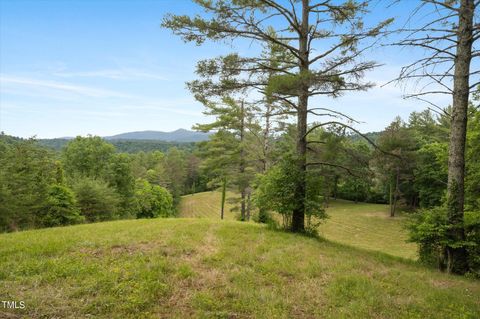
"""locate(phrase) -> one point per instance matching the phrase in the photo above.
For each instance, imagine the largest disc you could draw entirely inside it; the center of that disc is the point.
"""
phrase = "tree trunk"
(390, 197)
(248, 205)
(335, 187)
(242, 162)
(395, 194)
(457, 257)
(298, 215)
(224, 191)
(242, 205)
(266, 136)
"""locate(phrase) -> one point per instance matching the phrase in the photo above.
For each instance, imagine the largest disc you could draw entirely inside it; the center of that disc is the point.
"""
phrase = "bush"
(275, 191)
(429, 228)
(152, 200)
(96, 200)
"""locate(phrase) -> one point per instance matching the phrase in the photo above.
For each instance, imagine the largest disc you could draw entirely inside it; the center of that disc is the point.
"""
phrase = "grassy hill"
(202, 268)
(360, 225)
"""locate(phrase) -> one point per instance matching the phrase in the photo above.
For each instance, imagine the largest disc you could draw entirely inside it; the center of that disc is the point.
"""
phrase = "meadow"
(204, 268)
(361, 225)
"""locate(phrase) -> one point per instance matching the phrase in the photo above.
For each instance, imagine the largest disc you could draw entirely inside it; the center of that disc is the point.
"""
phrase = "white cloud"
(15, 82)
(114, 74)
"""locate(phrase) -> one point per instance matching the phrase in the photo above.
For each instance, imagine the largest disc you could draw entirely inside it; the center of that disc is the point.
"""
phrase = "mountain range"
(180, 135)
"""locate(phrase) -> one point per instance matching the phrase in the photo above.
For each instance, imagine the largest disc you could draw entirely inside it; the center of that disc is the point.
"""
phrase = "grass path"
(202, 268)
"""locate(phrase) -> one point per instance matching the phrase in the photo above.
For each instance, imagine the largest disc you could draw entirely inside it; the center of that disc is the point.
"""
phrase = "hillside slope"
(360, 225)
(201, 268)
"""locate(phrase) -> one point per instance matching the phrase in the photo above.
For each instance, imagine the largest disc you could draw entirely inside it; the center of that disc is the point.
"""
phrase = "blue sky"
(104, 67)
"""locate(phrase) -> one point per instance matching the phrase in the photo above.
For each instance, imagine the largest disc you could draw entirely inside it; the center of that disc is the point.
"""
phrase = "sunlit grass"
(206, 205)
(367, 226)
(360, 225)
(202, 268)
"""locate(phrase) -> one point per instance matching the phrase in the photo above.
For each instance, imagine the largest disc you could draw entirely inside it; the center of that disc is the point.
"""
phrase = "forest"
(283, 207)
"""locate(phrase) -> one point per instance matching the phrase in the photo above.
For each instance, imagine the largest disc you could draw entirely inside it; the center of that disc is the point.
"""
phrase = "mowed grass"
(368, 226)
(360, 225)
(202, 268)
(206, 205)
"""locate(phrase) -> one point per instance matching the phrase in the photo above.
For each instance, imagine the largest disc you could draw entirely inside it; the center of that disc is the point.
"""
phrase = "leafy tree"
(60, 207)
(217, 162)
(152, 200)
(227, 149)
(472, 178)
(274, 192)
(430, 229)
(87, 156)
(427, 128)
(431, 174)
(176, 172)
(96, 200)
(119, 176)
(26, 173)
(397, 170)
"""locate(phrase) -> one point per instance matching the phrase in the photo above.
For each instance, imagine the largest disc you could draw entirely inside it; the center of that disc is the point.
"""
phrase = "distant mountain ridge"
(180, 135)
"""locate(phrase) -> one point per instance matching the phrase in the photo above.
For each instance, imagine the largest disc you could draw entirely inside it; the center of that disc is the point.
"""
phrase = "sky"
(104, 67)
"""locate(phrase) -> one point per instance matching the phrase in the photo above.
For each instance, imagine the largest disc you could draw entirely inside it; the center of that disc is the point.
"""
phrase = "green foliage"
(430, 230)
(125, 145)
(87, 157)
(175, 161)
(26, 173)
(275, 192)
(96, 199)
(60, 207)
(152, 200)
(119, 176)
(472, 161)
(431, 174)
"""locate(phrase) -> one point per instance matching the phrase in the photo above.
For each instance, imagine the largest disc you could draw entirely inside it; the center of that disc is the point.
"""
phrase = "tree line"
(88, 181)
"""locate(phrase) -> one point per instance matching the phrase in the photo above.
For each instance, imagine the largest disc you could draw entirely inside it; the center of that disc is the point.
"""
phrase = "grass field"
(206, 205)
(367, 226)
(203, 268)
(360, 225)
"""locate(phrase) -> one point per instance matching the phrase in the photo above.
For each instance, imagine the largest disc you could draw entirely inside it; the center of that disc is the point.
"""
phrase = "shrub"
(60, 208)
(275, 191)
(152, 200)
(96, 200)
(429, 228)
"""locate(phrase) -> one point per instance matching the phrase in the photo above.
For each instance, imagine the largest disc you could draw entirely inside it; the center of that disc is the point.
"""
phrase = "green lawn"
(367, 226)
(360, 225)
(201, 268)
(206, 205)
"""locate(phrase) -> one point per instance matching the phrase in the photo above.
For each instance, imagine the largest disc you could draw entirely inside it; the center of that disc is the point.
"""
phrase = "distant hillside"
(180, 135)
(125, 146)
(146, 141)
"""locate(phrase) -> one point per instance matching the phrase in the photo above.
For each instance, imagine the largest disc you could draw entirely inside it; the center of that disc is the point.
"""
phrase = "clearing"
(360, 225)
